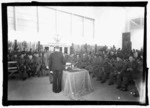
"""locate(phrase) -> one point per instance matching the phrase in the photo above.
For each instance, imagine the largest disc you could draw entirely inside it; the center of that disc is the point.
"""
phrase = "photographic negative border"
(7, 102)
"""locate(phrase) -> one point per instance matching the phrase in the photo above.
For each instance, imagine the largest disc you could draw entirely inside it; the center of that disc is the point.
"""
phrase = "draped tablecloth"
(76, 84)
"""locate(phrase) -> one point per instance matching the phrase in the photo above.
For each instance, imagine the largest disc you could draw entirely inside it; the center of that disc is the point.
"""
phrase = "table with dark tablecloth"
(76, 84)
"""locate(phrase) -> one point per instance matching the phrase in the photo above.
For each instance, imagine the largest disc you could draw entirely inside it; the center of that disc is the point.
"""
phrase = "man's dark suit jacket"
(56, 61)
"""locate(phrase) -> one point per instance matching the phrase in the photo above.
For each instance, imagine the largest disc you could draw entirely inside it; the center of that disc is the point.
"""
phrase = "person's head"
(84, 55)
(118, 59)
(130, 58)
(30, 57)
(136, 54)
(112, 53)
(15, 56)
(37, 55)
(22, 56)
(57, 49)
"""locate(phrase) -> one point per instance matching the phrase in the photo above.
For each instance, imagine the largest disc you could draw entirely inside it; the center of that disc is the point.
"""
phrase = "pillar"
(62, 49)
(68, 50)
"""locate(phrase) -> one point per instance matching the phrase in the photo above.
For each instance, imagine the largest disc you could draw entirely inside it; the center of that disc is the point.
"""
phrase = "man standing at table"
(57, 64)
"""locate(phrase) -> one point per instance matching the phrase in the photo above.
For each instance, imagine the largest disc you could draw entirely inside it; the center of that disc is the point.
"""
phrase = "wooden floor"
(39, 88)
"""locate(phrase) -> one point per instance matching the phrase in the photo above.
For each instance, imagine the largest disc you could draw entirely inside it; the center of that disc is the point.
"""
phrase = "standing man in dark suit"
(57, 64)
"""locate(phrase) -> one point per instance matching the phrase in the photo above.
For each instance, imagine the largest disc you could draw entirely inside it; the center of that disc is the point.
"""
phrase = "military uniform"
(38, 63)
(138, 78)
(119, 68)
(22, 68)
(77, 61)
(125, 76)
(98, 65)
(107, 69)
(45, 66)
(89, 66)
(87, 62)
(30, 67)
(112, 72)
(83, 62)
(45, 63)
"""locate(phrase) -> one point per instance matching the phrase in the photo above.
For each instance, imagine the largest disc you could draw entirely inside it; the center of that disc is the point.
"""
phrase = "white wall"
(111, 22)
(137, 38)
(109, 25)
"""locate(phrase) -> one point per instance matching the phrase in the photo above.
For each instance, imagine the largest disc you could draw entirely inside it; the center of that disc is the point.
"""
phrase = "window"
(11, 19)
(47, 20)
(77, 29)
(88, 30)
(26, 18)
(64, 26)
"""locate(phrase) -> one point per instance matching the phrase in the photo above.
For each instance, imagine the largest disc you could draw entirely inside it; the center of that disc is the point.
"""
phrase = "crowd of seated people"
(30, 63)
(112, 65)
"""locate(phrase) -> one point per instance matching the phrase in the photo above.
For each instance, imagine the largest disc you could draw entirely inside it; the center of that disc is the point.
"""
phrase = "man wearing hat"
(56, 64)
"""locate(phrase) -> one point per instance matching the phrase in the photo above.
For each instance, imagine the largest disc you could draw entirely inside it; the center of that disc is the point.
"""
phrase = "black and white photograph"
(78, 52)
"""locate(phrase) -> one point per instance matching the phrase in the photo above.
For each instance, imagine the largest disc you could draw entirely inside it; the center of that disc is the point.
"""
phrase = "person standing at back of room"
(57, 64)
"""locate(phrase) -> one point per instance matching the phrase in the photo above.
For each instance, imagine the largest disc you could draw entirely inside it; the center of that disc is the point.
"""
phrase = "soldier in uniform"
(126, 75)
(30, 66)
(83, 61)
(70, 58)
(90, 64)
(15, 57)
(86, 62)
(112, 71)
(77, 60)
(22, 67)
(46, 62)
(118, 67)
(98, 66)
(42, 64)
(137, 77)
(66, 57)
(106, 71)
(94, 66)
(38, 63)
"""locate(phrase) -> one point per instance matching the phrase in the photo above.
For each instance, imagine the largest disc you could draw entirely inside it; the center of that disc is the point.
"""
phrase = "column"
(68, 50)
(15, 18)
(62, 49)
(37, 19)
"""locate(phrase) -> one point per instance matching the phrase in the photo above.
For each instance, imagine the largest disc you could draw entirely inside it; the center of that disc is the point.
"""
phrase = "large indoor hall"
(76, 53)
